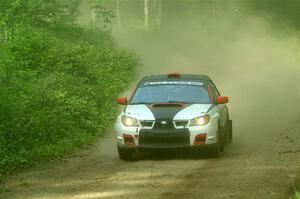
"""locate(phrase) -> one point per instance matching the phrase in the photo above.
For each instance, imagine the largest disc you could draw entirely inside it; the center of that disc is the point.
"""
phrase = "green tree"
(57, 79)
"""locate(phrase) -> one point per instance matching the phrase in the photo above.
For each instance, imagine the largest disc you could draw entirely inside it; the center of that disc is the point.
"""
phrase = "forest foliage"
(58, 81)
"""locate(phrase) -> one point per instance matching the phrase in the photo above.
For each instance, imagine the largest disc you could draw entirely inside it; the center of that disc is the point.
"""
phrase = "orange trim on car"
(128, 139)
(222, 100)
(122, 100)
(175, 74)
(200, 139)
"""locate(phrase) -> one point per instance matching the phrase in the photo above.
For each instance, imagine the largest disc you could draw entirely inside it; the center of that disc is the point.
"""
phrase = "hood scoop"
(168, 105)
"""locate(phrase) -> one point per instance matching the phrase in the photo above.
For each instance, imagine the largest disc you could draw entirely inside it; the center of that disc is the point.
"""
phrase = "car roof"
(180, 77)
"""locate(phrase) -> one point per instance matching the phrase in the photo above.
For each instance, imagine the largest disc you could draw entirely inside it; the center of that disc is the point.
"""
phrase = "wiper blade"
(136, 103)
(180, 102)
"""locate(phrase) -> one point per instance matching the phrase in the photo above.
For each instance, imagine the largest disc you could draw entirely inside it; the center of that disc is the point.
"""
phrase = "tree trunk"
(158, 17)
(146, 9)
(298, 92)
(118, 14)
(93, 17)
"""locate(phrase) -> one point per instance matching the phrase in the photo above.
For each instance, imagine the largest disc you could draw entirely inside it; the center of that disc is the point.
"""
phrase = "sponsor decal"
(174, 83)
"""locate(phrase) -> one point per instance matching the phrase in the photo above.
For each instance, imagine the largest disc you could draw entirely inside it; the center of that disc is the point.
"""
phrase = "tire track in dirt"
(246, 170)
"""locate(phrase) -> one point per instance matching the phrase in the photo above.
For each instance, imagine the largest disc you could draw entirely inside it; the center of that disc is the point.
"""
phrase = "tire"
(229, 132)
(125, 154)
(219, 147)
(222, 139)
(215, 151)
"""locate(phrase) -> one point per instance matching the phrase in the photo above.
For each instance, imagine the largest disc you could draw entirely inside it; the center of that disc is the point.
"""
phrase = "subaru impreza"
(173, 111)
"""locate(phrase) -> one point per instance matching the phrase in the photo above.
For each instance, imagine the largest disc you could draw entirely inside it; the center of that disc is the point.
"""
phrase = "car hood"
(147, 112)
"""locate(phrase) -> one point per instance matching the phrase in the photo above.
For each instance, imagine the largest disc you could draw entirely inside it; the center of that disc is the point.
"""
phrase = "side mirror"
(122, 100)
(222, 100)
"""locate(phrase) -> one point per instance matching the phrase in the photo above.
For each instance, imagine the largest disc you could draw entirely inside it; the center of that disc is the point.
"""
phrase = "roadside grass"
(297, 195)
(60, 96)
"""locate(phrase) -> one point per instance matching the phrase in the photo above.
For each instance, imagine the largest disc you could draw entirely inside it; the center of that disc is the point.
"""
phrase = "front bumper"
(164, 148)
(148, 139)
(172, 138)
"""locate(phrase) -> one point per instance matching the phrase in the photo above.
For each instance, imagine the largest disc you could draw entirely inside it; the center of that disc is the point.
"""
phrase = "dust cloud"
(247, 59)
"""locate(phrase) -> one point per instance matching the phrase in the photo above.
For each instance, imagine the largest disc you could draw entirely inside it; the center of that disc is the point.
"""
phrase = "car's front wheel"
(125, 154)
(229, 132)
(218, 148)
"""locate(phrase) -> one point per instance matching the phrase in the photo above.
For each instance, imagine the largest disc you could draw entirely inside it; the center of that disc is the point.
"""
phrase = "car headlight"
(200, 121)
(129, 121)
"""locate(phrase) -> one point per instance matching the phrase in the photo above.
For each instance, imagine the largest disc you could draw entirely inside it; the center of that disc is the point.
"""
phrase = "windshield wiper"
(136, 103)
(171, 101)
(180, 102)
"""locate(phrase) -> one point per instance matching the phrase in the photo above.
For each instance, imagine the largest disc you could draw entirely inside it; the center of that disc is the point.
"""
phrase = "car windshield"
(191, 94)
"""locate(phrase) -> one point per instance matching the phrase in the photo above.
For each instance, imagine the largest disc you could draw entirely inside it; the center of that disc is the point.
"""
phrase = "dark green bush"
(57, 94)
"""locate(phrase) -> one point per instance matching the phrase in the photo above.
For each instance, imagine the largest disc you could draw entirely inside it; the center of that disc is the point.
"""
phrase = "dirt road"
(253, 167)
(256, 65)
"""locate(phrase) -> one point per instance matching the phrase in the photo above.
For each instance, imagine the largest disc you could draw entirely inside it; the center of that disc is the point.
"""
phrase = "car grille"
(181, 124)
(147, 124)
(164, 138)
(164, 124)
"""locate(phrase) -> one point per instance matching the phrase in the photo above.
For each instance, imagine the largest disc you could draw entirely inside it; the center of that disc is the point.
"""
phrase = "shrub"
(57, 94)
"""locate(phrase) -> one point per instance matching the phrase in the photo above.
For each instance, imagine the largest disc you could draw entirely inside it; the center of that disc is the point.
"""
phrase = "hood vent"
(167, 105)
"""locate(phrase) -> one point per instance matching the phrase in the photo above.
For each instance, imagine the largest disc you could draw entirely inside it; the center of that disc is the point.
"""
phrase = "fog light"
(128, 139)
(200, 139)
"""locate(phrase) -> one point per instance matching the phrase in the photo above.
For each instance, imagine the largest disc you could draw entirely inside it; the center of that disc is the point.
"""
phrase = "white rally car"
(173, 111)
